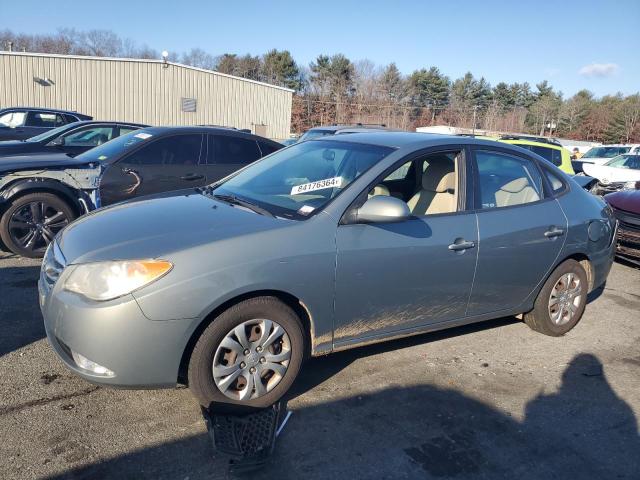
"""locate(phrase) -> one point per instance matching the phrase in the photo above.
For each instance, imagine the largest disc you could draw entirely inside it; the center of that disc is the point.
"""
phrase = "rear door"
(228, 153)
(521, 232)
(168, 163)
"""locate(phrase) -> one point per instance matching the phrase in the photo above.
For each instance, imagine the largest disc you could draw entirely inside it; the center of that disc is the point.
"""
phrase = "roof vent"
(189, 104)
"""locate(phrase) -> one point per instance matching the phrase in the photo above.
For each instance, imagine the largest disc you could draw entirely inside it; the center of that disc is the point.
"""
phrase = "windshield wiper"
(233, 200)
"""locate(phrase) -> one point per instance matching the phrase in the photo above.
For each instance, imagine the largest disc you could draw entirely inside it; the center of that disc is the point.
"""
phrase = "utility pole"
(475, 108)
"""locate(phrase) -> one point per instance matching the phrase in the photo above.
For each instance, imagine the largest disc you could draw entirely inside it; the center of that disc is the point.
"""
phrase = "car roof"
(42, 109)
(404, 139)
(107, 122)
(531, 142)
(354, 127)
(161, 130)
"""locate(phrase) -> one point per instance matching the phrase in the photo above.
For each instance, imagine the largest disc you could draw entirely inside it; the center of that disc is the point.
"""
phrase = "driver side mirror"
(382, 209)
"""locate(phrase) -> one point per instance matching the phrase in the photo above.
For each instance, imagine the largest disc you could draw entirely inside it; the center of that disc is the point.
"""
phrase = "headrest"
(439, 176)
(379, 190)
(515, 186)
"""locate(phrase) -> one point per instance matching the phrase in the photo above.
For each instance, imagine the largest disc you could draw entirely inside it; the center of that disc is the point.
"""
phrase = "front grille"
(604, 188)
(628, 221)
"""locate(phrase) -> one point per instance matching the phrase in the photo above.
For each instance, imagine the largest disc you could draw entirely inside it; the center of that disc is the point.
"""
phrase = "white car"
(619, 173)
(601, 155)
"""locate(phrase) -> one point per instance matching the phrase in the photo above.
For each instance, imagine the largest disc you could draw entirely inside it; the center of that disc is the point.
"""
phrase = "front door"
(521, 232)
(395, 277)
(229, 153)
(168, 163)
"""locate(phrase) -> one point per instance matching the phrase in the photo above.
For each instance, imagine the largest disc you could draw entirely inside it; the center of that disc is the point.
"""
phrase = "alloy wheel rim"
(252, 359)
(34, 225)
(565, 299)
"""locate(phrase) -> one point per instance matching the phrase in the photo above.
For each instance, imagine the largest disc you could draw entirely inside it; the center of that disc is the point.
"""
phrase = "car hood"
(37, 160)
(595, 160)
(627, 200)
(17, 147)
(607, 174)
(156, 226)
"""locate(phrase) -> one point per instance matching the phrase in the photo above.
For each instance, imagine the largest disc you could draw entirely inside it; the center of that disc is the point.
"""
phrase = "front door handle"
(461, 244)
(189, 177)
(553, 232)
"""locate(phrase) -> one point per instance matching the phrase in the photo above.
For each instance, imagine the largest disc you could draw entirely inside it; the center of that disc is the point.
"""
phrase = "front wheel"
(561, 301)
(32, 221)
(248, 356)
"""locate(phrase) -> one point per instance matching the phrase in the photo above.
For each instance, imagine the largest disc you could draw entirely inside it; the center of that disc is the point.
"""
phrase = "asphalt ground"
(492, 400)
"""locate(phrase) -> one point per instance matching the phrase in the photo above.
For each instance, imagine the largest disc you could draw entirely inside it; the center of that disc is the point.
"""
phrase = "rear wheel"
(32, 221)
(561, 301)
(248, 356)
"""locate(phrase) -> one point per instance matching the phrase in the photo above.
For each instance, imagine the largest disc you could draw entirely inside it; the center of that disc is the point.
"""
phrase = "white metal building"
(145, 91)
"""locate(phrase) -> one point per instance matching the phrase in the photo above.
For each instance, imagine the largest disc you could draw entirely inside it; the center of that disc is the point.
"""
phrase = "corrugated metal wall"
(142, 91)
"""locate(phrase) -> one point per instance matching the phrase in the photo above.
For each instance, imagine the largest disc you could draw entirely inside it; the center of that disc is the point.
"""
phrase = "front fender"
(78, 199)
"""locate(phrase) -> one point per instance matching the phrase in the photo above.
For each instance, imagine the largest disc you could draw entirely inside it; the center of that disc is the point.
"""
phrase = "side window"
(233, 150)
(13, 119)
(437, 190)
(125, 130)
(41, 119)
(90, 137)
(505, 180)
(174, 150)
(69, 118)
(267, 148)
(399, 174)
(59, 120)
(557, 185)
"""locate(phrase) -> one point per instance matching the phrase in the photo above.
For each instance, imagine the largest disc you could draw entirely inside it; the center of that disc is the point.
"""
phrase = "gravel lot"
(494, 400)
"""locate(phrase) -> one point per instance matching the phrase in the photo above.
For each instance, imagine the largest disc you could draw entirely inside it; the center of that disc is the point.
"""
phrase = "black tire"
(200, 375)
(50, 203)
(539, 319)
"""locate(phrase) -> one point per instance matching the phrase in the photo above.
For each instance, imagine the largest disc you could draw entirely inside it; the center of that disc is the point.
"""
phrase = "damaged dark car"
(626, 208)
(41, 193)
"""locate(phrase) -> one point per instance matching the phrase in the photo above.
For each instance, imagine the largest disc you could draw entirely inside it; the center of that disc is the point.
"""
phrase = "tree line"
(335, 89)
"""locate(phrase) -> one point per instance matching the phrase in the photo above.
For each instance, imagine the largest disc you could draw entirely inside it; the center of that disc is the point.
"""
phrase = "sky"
(589, 44)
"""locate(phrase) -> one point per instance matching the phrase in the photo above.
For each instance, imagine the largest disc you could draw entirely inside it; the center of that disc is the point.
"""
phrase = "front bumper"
(141, 353)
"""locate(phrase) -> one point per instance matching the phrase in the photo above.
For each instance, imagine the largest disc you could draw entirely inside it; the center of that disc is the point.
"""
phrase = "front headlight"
(108, 280)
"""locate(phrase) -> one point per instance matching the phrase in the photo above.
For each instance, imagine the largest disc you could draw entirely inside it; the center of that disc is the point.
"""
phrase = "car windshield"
(299, 180)
(51, 134)
(605, 152)
(114, 147)
(625, 161)
(310, 134)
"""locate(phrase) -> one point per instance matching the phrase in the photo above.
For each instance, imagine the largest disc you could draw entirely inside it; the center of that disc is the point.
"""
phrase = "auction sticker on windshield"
(335, 182)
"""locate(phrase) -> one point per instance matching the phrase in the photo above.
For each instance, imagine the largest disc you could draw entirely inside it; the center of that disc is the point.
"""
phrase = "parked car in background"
(326, 245)
(626, 208)
(317, 132)
(20, 123)
(71, 139)
(602, 154)
(287, 141)
(42, 193)
(548, 149)
(619, 173)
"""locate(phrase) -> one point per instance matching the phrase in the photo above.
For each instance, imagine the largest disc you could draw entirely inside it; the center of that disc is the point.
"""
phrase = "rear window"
(268, 148)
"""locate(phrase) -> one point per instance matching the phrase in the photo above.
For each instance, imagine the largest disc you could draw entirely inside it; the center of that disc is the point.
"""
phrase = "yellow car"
(554, 152)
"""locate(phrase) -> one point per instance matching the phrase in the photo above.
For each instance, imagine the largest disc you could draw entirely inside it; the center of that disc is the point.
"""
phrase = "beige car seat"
(516, 192)
(438, 189)
(379, 189)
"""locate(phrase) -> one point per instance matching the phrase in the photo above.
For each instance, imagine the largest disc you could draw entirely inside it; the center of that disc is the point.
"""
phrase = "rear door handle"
(553, 232)
(461, 244)
(191, 176)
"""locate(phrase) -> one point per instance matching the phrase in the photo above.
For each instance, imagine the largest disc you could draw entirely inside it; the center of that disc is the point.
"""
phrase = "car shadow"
(20, 317)
(318, 370)
(583, 430)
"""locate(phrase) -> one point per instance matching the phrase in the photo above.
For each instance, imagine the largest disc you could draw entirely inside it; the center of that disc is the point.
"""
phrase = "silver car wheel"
(251, 359)
(565, 298)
